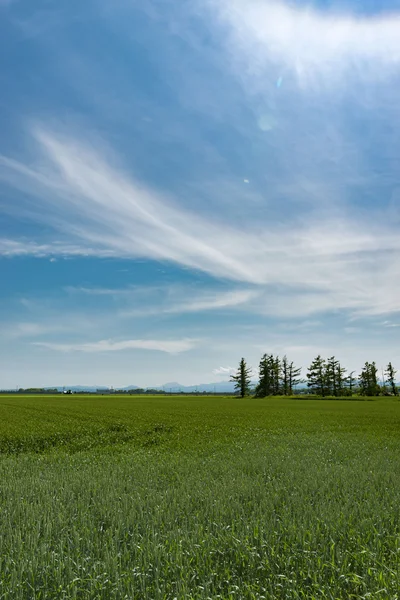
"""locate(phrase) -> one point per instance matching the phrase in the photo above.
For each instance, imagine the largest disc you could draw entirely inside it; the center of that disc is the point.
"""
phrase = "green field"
(199, 497)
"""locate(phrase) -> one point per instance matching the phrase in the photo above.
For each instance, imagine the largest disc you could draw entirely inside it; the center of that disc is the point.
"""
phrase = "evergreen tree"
(341, 379)
(368, 380)
(350, 381)
(285, 376)
(317, 375)
(294, 377)
(334, 377)
(330, 376)
(264, 383)
(269, 378)
(374, 380)
(242, 379)
(276, 377)
(390, 376)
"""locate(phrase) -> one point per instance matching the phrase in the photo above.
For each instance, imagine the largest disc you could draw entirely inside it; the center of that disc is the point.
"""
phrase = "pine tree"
(264, 383)
(374, 380)
(316, 376)
(269, 378)
(285, 376)
(242, 379)
(350, 381)
(294, 377)
(276, 378)
(330, 376)
(368, 380)
(334, 377)
(341, 379)
(390, 376)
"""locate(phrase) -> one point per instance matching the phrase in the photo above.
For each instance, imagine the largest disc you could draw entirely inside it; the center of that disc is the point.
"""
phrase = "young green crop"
(195, 498)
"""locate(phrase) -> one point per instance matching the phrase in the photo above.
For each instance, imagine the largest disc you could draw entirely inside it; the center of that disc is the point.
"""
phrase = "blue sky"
(186, 183)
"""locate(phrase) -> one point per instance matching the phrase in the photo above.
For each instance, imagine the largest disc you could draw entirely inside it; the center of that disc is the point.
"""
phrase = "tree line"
(324, 377)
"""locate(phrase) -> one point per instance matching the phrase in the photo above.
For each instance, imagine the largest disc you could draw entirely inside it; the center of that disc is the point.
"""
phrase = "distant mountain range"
(171, 386)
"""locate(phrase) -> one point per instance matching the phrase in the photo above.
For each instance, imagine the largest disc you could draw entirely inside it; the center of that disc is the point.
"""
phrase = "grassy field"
(194, 498)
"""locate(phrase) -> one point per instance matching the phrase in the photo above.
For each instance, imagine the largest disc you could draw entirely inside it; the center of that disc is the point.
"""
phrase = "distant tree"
(290, 376)
(269, 383)
(390, 377)
(350, 382)
(368, 380)
(375, 389)
(285, 376)
(294, 377)
(264, 385)
(330, 376)
(316, 376)
(334, 377)
(276, 375)
(341, 380)
(242, 379)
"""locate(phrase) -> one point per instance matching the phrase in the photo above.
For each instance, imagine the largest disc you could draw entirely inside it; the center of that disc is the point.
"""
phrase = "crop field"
(199, 497)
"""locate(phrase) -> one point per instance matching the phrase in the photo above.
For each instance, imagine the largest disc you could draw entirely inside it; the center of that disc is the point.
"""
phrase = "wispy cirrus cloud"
(167, 346)
(214, 301)
(171, 299)
(94, 201)
(23, 247)
(325, 262)
(321, 257)
(100, 291)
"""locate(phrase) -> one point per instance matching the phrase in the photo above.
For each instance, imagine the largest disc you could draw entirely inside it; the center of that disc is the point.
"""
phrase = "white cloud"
(168, 346)
(390, 324)
(89, 200)
(309, 42)
(228, 371)
(320, 263)
(214, 301)
(97, 291)
(172, 299)
(12, 248)
(224, 371)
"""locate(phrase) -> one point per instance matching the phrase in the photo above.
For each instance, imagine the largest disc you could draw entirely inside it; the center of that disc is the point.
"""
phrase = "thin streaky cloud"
(167, 346)
(95, 201)
(174, 299)
(98, 291)
(214, 301)
(97, 209)
(13, 248)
